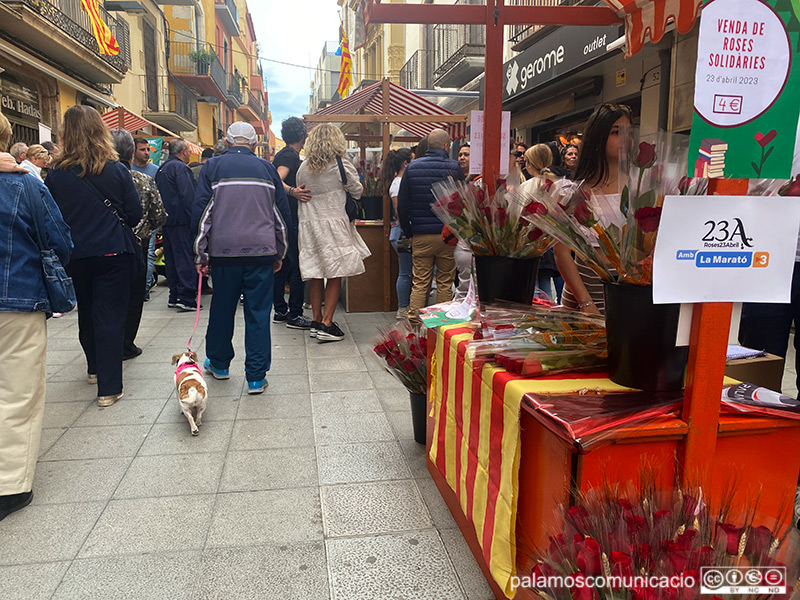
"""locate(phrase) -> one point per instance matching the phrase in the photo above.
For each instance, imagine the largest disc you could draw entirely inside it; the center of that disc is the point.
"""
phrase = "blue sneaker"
(216, 373)
(256, 387)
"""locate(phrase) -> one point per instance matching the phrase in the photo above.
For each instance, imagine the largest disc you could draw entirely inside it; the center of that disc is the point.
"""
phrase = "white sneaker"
(402, 313)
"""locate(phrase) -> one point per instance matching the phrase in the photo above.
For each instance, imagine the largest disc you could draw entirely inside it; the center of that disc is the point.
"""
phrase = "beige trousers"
(427, 251)
(23, 350)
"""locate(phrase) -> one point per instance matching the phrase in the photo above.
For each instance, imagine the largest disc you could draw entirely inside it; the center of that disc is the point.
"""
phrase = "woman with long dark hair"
(604, 142)
(394, 165)
(100, 204)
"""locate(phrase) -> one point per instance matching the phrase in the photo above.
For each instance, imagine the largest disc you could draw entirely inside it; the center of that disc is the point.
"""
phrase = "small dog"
(192, 391)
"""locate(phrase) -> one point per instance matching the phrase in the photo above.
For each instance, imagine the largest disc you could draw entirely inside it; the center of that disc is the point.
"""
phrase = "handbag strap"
(38, 217)
(102, 196)
(341, 172)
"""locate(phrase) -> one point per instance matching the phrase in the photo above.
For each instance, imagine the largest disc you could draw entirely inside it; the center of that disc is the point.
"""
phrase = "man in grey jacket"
(240, 216)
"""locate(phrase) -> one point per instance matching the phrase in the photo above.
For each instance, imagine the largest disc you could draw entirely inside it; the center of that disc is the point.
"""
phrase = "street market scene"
(409, 299)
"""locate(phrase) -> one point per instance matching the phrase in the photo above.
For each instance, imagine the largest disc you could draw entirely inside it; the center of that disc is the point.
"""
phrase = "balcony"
(198, 69)
(413, 75)
(458, 52)
(253, 109)
(522, 36)
(181, 114)
(228, 15)
(233, 92)
(61, 30)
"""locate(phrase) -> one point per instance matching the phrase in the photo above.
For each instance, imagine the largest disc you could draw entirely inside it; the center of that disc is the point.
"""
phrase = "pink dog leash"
(197, 314)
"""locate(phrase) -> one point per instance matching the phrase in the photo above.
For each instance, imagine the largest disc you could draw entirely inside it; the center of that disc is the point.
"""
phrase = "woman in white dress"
(330, 247)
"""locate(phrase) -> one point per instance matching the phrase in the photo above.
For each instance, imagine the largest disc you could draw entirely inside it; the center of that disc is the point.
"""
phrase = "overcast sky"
(292, 31)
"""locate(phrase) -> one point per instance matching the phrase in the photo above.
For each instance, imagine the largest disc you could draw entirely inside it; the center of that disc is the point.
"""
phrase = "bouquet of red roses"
(491, 225)
(404, 349)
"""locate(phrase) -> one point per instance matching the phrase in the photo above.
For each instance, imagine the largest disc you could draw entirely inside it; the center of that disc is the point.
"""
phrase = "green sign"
(745, 103)
(156, 147)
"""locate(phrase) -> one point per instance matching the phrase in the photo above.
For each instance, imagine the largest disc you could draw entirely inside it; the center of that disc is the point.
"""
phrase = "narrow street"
(313, 490)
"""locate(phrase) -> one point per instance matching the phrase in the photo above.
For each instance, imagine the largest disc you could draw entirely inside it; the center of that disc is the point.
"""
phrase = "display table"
(364, 293)
(502, 473)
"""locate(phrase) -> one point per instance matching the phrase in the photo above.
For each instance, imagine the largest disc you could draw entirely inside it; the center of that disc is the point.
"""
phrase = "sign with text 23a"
(725, 249)
(745, 99)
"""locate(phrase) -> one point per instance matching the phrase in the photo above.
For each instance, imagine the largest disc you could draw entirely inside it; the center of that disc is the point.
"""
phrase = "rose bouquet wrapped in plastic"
(491, 225)
(615, 235)
(404, 350)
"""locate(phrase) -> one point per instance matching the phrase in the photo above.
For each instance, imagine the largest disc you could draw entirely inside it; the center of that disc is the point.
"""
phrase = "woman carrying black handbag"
(97, 197)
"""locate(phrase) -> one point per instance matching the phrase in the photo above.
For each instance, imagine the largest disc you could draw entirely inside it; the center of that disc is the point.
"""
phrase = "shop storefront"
(20, 103)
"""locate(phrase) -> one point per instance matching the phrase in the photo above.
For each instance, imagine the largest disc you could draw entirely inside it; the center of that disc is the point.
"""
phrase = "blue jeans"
(230, 282)
(543, 283)
(404, 274)
(151, 263)
(290, 271)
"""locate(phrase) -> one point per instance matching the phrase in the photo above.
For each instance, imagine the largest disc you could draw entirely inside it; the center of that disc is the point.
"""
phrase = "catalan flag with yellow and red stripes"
(105, 39)
(476, 441)
(346, 70)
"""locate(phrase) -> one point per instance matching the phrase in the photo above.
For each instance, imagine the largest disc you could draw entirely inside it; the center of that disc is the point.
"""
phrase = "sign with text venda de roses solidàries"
(746, 89)
(725, 249)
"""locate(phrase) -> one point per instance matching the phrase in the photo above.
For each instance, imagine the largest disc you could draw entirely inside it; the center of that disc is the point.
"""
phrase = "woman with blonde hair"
(330, 247)
(36, 159)
(99, 202)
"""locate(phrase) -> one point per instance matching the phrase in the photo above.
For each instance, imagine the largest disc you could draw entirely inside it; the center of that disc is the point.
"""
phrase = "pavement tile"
(133, 369)
(176, 438)
(355, 401)
(98, 442)
(166, 576)
(340, 382)
(63, 414)
(467, 569)
(384, 381)
(404, 565)
(415, 457)
(58, 482)
(278, 406)
(271, 469)
(317, 350)
(402, 425)
(31, 582)
(345, 428)
(149, 389)
(287, 352)
(288, 366)
(46, 533)
(248, 519)
(442, 519)
(319, 364)
(351, 463)
(217, 409)
(296, 570)
(394, 399)
(171, 475)
(125, 412)
(140, 525)
(49, 437)
(288, 337)
(69, 391)
(372, 508)
(287, 384)
(259, 434)
(63, 357)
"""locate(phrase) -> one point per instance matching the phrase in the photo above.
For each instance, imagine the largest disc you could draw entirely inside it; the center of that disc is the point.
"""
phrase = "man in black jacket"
(423, 227)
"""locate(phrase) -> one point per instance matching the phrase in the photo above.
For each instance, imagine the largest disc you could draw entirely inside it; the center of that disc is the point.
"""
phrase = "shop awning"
(645, 18)
(402, 102)
(133, 122)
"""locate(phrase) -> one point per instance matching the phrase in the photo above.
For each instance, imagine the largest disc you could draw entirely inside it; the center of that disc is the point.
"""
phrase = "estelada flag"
(346, 70)
(105, 39)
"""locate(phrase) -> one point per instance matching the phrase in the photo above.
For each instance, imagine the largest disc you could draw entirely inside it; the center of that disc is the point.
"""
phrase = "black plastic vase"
(504, 278)
(641, 339)
(419, 405)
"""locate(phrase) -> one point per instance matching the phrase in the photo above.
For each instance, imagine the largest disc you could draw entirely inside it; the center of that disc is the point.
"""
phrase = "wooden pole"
(387, 258)
(493, 93)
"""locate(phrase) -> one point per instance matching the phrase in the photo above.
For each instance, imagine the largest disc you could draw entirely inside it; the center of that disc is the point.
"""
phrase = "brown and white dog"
(192, 391)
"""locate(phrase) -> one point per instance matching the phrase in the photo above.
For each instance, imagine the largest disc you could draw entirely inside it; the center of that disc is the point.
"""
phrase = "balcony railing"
(453, 43)
(519, 33)
(183, 101)
(186, 59)
(412, 75)
(234, 88)
(69, 18)
(255, 103)
(228, 14)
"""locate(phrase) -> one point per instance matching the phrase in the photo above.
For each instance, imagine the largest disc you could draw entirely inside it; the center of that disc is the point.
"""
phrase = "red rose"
(648, 218)
(646, 156)
(409, 366)
(582, 592)
(544, 570)
(643, 593)
(501, 218)
(759, 540)
(635, 524)
(704, 557)
(677, 556)
(685, 539)
(480, 196)
(733, 535)
(621, 565)
(691, 506)
(547, 184)
(645, 555)
(534, 234)
(558, 549)
(578, 515)
(588, 557)
(535, 208)
(455, 196)
(626, 506)
(583, 214)
(455, 208)
(660, 514)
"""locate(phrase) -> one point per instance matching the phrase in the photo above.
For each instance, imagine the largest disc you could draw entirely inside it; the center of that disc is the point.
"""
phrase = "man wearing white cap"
(241, 218)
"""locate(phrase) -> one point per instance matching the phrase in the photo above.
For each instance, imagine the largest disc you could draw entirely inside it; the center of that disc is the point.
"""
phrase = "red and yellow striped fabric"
(346, 69)
(476, 440)
(105, 39)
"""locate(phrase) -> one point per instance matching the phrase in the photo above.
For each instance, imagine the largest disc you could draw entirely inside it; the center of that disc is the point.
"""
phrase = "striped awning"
(401, 102)
(647, 19)
(133, 122)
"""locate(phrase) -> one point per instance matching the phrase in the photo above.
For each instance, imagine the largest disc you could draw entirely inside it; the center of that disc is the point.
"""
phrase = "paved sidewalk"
(313, 490)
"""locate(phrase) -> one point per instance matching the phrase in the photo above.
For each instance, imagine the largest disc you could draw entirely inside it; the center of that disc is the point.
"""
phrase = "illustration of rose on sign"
(763, 141)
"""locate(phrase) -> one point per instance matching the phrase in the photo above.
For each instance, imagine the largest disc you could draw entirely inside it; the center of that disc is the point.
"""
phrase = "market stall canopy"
(133, 122)
(402, 103)
(645, 18)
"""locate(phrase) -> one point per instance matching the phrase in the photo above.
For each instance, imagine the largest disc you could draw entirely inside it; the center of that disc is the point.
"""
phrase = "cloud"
(292, 31)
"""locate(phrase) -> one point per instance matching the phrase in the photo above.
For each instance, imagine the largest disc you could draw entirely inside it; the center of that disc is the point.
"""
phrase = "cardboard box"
(766, 371)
